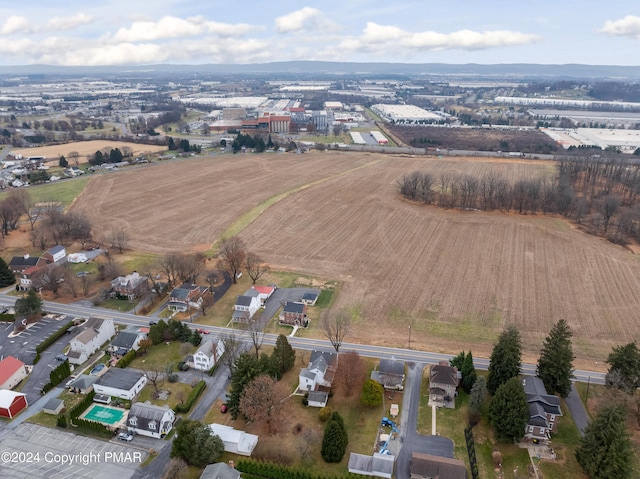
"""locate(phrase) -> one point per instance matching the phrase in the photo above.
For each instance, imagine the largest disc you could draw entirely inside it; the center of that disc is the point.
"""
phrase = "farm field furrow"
(461, 276)
(186, 205)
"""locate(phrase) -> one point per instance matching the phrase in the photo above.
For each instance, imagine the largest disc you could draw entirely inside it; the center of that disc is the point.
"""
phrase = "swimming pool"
(106, 415)
(97, 368)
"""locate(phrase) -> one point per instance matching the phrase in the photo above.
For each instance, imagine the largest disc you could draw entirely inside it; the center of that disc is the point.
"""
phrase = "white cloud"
(21, 25)
(15, 24)
(175, 27)
(388, 39)
(306, 18)
(628, 26)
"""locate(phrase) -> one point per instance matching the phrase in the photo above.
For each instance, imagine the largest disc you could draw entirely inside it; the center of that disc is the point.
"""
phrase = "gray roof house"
(320, 372)
(150, 420)
(544, 409)
(443, 383)
(378, 465)
(426, 466)
(390, 374)
(219, 470)
(83, 384)
(120, 383)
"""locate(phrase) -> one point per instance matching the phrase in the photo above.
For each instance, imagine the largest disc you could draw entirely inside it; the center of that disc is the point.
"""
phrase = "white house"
(56, 254)
(208, 354)
(264, 292)
(97, 332)
(320, 372)
(120, 383)
(150, 420)
(246, 306)
(12, 371)
(236, 442)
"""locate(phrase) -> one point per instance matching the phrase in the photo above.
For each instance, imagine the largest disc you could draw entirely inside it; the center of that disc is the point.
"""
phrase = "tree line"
(601, 194)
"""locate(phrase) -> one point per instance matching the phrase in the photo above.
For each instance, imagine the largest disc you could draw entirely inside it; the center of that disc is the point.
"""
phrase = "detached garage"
(11, 403)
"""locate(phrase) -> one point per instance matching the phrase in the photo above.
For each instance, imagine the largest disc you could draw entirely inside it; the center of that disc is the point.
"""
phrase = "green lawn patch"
(173, 399)
(44, 419)
(118, 304)
(63, 191)
(160, 355)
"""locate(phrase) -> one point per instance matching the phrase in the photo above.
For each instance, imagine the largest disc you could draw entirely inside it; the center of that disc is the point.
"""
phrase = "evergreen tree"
(372, 392)
(458, 361)
(7, 278)
(478, 395)
(63, 163)
(171, 144)
(195, 444)
(605, 450)
(245, 369)
(335, 440)
(115, 156)
(30, 306)
(468, 373)
(283, 357)
(555, 366)
(505, 359)
(509, 411)
(624, 368)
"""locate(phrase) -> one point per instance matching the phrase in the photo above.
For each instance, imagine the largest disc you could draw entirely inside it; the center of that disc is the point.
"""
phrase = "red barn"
(11, 403)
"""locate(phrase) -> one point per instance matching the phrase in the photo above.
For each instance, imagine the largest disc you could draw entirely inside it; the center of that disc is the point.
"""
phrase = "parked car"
(223, 408)
(203, 331)
(125, 436)
(153, 323)
(71, 379)
(61, 358)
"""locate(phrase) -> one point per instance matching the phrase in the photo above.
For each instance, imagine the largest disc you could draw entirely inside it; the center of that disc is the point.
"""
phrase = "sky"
(139, 32)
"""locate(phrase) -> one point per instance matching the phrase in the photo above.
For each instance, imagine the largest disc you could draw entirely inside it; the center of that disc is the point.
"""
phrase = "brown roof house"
(426, 466)
(443, 384)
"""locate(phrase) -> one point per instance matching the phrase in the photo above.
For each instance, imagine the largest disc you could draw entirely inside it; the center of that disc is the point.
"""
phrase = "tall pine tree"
(509, 411)
(468, 373)
(335, 440)
(505, 359)
(605, 450)
(624, 368)
(283, 356)
(555, 366)
(7, 278)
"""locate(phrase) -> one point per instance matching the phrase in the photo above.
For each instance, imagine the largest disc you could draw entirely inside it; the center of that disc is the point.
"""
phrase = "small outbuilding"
(235, 441)
(12, 403)
(54, 406)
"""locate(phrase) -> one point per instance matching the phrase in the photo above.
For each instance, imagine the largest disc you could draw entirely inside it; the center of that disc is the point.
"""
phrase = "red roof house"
(12, 371)
(11, 403)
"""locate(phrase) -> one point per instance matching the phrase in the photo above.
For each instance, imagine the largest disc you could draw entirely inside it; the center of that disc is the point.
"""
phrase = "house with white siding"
(97, 331)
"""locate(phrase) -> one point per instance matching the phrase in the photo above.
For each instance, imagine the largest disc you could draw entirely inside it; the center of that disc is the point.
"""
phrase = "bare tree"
(255, 266)
(213, 278)
(156, 378)
(206, 303)
(169, 266)
(308, 437)
(232, 349)
(335, 327)
(262, 402)
(350, 372)
(86, 282)
(231, 256)
(70, 280)
(74, 156)
(24, 203)
(39, 238)
(118, 238)
(49, 278)
(256, 335)
(176, 469)
(188, 267)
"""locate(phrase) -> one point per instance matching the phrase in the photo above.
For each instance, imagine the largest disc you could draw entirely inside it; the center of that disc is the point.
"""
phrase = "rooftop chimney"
(26, 256)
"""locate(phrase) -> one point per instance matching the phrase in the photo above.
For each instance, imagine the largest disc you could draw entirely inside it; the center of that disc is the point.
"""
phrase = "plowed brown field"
(85, 148)
(460, 276)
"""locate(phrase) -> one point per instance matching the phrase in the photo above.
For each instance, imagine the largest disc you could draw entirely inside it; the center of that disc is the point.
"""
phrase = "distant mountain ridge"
(503, 71)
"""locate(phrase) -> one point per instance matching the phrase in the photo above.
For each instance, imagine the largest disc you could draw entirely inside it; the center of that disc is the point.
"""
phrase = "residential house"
(150, 420)
(319, 373)
(128, 339)
(219, 470)
(27, 276)
(11, 403)
(132, 286)
(235, 441)
(56, 254)
(544, 409)
(294, 314)
(265, 292)
(426, 466)
(317, 398)
(97, 332)
(246, 306)
(378, 465)
(390, 374)
(83, 384)
(120, 383)
(185, 296)
(19, 263)
(443, 384)
(310, 298)
(12, 371)
(208, 353)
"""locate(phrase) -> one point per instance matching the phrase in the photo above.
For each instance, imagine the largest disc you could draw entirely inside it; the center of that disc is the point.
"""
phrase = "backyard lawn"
(175, 389)
(162, 354)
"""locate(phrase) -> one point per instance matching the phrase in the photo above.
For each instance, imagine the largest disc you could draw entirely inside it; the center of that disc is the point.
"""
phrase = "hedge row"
(125, 360)
(82, 405)
(258, 469)
(193, 397)
(53, 338)
(91, 426)
(7, 318)
(57, 376)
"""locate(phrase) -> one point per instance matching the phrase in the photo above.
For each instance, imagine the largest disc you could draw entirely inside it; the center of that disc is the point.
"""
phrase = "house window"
(530, 428)
(553, 418)
(541, 430)
(152, 426)
(133, 421)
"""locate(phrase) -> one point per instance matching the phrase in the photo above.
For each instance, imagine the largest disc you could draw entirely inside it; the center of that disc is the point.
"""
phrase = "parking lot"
(35, 451)
(23, 345)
